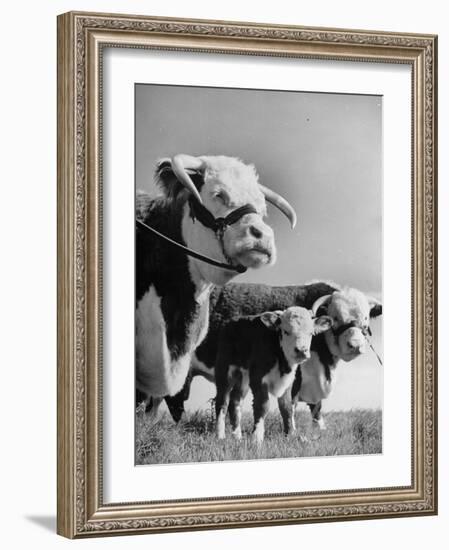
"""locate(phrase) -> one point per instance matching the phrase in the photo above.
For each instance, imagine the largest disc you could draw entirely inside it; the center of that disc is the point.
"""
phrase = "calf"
(350, 311)
(262, 353)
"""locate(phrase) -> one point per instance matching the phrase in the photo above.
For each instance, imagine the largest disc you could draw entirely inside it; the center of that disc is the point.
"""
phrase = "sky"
(323, 153)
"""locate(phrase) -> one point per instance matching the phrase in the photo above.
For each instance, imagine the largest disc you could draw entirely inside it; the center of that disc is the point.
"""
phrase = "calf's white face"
(296, 326)
(350, 311)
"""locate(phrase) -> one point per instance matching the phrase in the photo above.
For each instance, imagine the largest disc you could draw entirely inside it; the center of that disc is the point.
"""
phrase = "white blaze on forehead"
(349, 304)
(297, 320)
(297, 328)
(239, 181)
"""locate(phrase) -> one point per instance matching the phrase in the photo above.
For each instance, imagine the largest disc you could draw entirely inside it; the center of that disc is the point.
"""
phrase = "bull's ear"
(271, 319)
(322, 323)
(375, 307)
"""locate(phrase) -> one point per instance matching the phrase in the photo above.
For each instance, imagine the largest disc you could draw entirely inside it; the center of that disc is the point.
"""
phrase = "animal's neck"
(332, 346)
(324, 347)
(165, 266)
(285, 367)
(183, 293)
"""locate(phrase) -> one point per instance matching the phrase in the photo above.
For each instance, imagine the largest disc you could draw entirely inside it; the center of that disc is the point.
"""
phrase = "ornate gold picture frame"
(82, 509)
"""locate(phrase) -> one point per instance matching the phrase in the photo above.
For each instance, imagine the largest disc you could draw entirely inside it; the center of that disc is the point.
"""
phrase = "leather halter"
(204, 216)
(338, 331)
(217, 225)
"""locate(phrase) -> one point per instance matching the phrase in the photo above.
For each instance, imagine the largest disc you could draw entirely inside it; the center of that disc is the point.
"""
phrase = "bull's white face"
(348, 306)
(296, 327)
(228, 185)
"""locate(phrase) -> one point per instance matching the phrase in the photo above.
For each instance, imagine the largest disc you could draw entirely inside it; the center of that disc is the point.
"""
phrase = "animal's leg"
(317, 418)
(235, 409)
(152, 409)
(295, 399)
(287, 412)
(261, 407)
(225, 382)
(175, 403)
(221, 408)
(142, 401)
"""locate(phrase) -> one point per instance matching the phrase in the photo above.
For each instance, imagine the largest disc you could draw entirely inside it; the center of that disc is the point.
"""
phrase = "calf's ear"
(375, 307)
(271, 319)
(322, 323)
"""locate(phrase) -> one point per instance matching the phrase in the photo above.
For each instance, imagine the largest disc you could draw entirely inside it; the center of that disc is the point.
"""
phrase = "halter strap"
(338, 331)
(204, 216)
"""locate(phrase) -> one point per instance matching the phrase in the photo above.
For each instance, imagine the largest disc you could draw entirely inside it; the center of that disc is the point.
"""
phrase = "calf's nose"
(302, 351)
(255, 232)
(355, 346)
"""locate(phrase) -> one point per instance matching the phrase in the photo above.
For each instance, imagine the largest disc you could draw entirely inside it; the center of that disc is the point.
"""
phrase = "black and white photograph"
(258, 275)
(247, 286)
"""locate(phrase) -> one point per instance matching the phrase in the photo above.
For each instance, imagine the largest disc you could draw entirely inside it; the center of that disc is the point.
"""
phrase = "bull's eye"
(221, 197)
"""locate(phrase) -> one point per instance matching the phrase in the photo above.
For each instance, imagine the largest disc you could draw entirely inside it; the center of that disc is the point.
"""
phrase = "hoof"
(319, 424)
(256, 440)
(237, 435)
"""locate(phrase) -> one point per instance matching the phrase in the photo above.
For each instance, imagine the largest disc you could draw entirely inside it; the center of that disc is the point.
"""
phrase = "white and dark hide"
(239, 300)
(350, 311)
(261, 353)
(173, 289)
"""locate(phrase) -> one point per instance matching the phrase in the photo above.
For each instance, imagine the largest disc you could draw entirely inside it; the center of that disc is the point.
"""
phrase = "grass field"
(353, 432)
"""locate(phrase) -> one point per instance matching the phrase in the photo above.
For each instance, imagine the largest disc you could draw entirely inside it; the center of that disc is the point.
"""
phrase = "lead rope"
(189, 252)
(374, 351)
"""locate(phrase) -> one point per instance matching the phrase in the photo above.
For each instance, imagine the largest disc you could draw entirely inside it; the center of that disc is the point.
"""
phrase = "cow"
(206, 227)
(263, 353)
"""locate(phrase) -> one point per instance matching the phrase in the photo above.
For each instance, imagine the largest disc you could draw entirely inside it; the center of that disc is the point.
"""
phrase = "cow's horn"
(320, 302)
(181, 163)
(278, 201)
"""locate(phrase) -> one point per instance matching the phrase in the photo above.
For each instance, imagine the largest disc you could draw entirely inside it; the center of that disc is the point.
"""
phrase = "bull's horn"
(320, 302)
(181, 163)
(278, 201)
